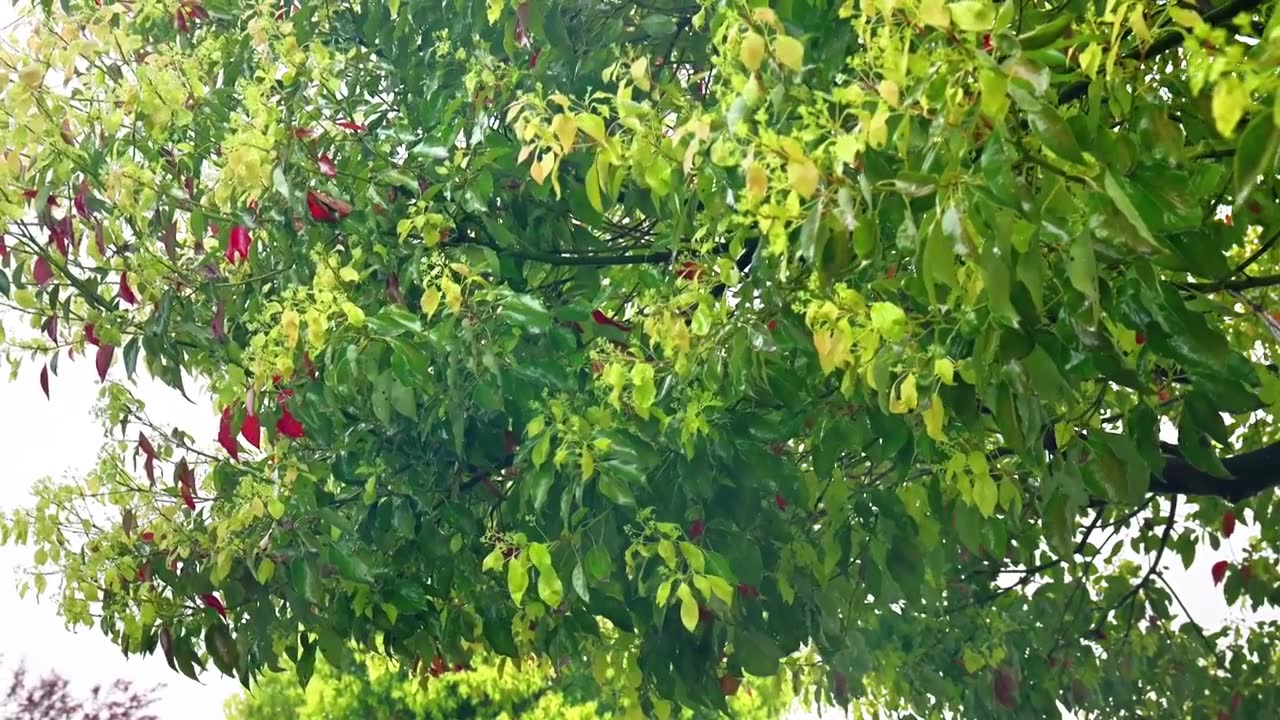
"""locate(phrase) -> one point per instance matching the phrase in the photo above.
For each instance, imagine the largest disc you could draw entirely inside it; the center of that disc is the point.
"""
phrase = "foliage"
(892, 346)
(377, 689)
(50, 698)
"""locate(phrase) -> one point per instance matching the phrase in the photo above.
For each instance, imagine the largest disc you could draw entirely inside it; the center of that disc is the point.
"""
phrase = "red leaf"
(180, 21)
(145, 445)
(602, 319)
(1005, 686)
(748, 592)
(1219, 571)
(326, 208)
(1140, 339)
(51, 327)
(288, 425)
(150, 467)
(533, 60)
(103, 361)
(780, 501)
(251, 430)
(144, 573)
(100, 239)
(772, 325)
(44, 381)
(216, 325)
(41, 271)
(212, 601)
(90, 336)
(696, 529)
(188, 498)
(327, 168)
(1228, 524)
(319, 211)
(689, 271)
(4, 249)
(227, 437)
(81, 201)
(303, 133)
(510, 443)
(148, 537)
(352, 126)
(238, 242)
(126, 292)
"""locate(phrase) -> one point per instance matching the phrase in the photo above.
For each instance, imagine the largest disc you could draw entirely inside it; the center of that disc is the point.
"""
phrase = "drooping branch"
(1251, 473)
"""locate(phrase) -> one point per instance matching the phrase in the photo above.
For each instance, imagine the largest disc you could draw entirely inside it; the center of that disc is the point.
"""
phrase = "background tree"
(892, 347)
(377, 689)
(50, 698)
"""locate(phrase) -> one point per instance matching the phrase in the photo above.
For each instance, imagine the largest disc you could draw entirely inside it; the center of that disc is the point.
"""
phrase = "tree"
(50, 698)
(893, 347)
(380, 690)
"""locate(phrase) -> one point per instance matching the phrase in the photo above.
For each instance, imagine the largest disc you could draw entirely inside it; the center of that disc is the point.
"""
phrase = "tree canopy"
(379, 689)
(891, 346)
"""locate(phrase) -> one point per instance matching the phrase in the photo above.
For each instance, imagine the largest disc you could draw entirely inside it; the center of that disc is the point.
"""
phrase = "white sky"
(40, 438)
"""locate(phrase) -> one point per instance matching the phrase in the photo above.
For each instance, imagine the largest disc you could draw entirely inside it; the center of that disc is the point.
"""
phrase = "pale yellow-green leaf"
(890, 91)
(934, 416)
(430, 301)
(588, 465)
(540, 556)
(790, 52)
(1138, 22)
(275, 507)
(907, 397)
(803, 176)
(1090, 59)
(752, 51)
(640, 73)
(540, 450)
(688, 607)
(592, 125)
(664, 592)
(493, 560)
(1230, 102)
(973, 661)
(693, 556)
(935, 13)
(833, 350)
(257, 507)
(973, 15)
(31, 75)
(266, 569)
(550, 589)
(721, 589)
(667, 551)
(985, 494)
(945, 370)
(1184, 17)
(517, 579)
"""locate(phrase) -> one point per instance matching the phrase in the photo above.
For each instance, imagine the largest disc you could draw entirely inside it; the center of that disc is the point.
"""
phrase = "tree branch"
(1163, 44)
(1252, 473)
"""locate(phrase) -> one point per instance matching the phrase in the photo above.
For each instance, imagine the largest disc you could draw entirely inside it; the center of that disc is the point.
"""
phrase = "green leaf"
(393, 320)
(527, 312)
(1120, 197)
(550, 589)
(985, 494)
(1048, 125)
(598, 563)
(1082, 270)
(1255, 156)
(998, 280)
(540, 556)
(381, 397)
(758, 653)
(402, 399)
(579, 580)
(349, 566)
(616, 491)
(517, 578)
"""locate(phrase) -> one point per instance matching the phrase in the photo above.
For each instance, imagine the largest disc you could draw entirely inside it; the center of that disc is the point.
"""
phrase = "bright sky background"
(60, 438)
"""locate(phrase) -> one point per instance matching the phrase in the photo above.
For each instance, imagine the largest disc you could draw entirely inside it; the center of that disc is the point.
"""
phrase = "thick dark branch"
(1163, 44)
(1252, 473)
(1248, 283)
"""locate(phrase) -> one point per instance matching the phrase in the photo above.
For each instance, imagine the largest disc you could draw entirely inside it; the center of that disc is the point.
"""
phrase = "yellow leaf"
(757, 181)
(934, 416)
(945, 370)
(790, 52)
(907, 396)
(566, 131)
(31, 75)
(588, 465)
(752, 51)
(891, 93)
(803, 176)
(1090, 59)
(1139, 25)
(542, 168)
(430, 301)
(833, 350)
(452, 294)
